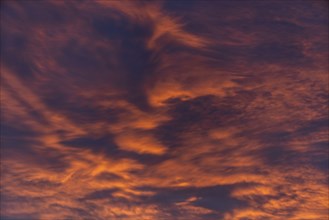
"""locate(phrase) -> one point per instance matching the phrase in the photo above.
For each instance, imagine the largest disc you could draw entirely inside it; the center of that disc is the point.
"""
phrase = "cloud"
(140, 143)
(164, 110)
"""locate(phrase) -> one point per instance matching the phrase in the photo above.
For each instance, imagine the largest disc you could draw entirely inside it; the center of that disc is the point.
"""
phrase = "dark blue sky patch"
(19, 217)
(8, 200)
(318, 155)
(315, 125)
(77, 109)
(216, 198)
(280, 154)
(8, 10)
(138, 64)
(121, 28)
(203, 111)
(196, 116)
(30, 150)
(42, 13)
(102, 194)
(19, 63)
(78, 59)
(274, 137)
(280, 53)
(21, 145)
(14, 131)
(87, 214)
(276, 154)
(103, 144)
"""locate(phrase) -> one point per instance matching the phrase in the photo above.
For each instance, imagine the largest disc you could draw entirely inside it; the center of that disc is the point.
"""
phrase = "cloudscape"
(164, 110)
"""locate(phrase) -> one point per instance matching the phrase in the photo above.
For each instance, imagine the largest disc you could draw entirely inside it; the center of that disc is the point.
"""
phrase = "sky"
(164, 110)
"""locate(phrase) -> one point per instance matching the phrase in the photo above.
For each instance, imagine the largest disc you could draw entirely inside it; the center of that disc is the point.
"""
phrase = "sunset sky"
(164, 110)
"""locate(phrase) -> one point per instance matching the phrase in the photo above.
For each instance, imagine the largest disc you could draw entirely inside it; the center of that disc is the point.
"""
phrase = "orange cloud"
(140, 143)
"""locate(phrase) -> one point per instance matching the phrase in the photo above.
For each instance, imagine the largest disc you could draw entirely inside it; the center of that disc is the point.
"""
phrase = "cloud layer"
(164, 110)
